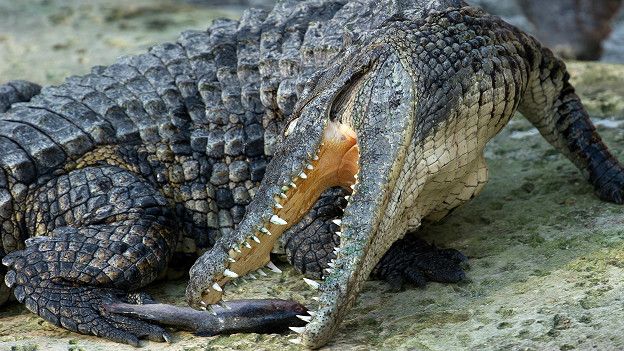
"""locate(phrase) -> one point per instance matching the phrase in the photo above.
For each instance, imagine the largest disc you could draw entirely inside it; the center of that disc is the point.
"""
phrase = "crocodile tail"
(551, 104)
(17, 91)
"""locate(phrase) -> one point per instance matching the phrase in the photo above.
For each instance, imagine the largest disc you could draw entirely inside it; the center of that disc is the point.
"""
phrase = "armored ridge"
(16, 91)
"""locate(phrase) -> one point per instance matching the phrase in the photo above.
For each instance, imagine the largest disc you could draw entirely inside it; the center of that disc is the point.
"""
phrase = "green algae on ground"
(546, 255)
(46, 41)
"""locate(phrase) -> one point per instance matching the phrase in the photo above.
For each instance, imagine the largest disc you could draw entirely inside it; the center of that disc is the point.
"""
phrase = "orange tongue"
(337, 165)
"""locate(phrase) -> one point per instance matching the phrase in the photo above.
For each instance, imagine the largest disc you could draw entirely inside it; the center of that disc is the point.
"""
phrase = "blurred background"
(70, 36)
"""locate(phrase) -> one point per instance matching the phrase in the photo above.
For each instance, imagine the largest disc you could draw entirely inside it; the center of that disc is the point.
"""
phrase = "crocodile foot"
(413, 260)
(72, 305)
(82, 309)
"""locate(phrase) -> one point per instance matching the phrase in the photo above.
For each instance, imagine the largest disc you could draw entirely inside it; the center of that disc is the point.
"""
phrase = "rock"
(572, 28)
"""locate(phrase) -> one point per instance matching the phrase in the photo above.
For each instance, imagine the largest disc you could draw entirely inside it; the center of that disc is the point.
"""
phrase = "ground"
(547, 257)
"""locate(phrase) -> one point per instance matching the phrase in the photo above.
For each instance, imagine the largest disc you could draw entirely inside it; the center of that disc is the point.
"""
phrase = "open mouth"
(373, 96)
(334, 164)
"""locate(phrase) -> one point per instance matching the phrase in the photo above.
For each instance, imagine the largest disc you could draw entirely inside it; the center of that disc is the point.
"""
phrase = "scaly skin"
(16, 91)
(109, 177)
(417, 99)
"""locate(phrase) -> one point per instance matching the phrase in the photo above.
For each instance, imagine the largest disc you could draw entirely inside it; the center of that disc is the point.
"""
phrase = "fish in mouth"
(334, 139)
(401, 121)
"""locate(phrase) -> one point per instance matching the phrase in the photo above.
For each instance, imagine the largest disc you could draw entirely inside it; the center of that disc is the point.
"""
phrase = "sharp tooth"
(312, 283)
(265, 231)
(309, 166)
(315, 298)
(278, 206)
(275, 219)
(273, 267)
(315, 158)
(231, 259)
(337, 222)
(353, 186)
(283, 196)
(339, 234)
(229, 273)
(293, 185)
(295, 341)
(203, 308)
(261, 272)
(303, 175)
(247, 245)
(255, 238)
(217, 287)
(329, 270)
(252, 276)
(203, 303)
(347, 197)
(298, 330)
(224, 305)
(331, 264)
(336, 250)
(312, 313)
(285, 188)
(304, 318)
(237, 249)
(167, 338)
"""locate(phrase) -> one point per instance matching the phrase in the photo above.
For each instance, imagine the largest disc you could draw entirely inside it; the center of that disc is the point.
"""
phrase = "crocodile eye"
(291, 126)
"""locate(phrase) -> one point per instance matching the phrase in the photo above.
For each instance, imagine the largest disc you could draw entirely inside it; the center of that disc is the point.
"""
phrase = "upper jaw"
(373, 219)
(289, 165)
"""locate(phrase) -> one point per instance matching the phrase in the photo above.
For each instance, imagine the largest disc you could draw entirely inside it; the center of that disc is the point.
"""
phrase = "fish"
(262, 316)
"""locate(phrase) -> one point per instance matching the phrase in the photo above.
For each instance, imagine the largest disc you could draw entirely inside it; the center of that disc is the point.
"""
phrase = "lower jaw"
(335, 164)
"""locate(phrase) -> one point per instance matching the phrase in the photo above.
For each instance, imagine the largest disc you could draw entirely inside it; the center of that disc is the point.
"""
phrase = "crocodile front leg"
(310, 246)
(98, 233)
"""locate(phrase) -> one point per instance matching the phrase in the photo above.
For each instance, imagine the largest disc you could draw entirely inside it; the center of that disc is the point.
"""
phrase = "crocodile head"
(352, 128)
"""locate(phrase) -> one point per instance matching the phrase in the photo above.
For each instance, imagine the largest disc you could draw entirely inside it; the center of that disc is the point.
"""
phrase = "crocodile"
(117, 178)
(326, 129)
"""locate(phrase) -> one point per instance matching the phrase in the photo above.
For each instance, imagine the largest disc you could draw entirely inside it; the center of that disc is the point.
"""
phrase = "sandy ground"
(547, 257)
